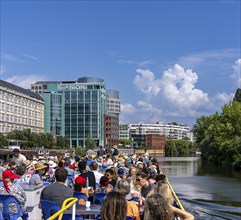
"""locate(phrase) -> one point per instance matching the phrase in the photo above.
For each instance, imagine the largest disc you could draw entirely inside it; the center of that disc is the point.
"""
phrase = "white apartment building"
(124, 131)
(20, 109)
(176, 132)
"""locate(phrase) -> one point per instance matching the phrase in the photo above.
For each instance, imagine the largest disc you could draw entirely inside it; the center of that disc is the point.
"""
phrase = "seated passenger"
(157, 207)
(11, 188)
(36, 178)
(78, 187)
(123, 187)
(57, 192)
(105, 186)
(114, 207)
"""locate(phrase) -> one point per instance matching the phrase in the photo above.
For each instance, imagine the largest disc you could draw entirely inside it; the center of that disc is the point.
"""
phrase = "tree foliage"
(219, 135)
(89, 143)
(176, 148)
(34, 140)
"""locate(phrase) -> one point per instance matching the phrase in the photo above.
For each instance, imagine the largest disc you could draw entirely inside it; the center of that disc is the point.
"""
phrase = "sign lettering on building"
(72, 87)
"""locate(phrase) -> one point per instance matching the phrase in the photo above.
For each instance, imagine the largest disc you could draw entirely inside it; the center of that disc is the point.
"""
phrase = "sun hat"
(27, 163)
(52, 164)
(81, 180)
(39, 166)
(115, 147)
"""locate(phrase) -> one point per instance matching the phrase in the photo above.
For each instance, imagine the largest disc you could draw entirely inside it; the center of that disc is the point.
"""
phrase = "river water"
(205, 190)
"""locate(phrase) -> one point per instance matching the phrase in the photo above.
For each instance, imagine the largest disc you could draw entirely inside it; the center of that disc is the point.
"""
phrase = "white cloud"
(25, 81)
(172, 97)
(179, 88)
(237, 72)
(36, 59)
(145, 81)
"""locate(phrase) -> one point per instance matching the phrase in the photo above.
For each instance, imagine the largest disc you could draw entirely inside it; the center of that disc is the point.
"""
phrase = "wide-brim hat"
(52, 164)
(115, 147)
(39, 166)
(27, 163)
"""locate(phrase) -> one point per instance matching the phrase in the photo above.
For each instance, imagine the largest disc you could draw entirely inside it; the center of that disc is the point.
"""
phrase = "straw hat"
(39, 166)
(115, 147)
(27, 163)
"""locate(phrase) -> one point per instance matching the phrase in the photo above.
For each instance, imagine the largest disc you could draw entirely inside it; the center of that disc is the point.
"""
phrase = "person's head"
(109, 173)
(163, 188)
(121, 173)
(39, 168)
(94, 165)
(61, 175)
(143, 179)
(78, 183)
(160, 177)
(82, 166)
(132, 171)
(104, 181)
(61, 164)
(21, 169)
(12, 165)
(16, 152)
(157, 207)
(67, 163)
(123, 186)
(114, 207)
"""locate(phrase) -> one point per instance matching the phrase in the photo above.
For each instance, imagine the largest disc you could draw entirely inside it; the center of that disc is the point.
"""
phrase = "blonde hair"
(162, 188)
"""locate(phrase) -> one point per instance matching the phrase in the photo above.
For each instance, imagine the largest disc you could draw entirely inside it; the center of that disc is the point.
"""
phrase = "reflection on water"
(207, 191)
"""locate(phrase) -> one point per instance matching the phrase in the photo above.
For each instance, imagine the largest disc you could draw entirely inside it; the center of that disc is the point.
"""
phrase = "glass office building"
(75, 109)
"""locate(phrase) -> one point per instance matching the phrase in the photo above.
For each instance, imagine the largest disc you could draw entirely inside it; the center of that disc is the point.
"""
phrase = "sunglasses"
(107, 175)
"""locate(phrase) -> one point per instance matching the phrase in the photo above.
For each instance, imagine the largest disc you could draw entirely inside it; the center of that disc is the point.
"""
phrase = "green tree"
(219, 135)
(3, 140)
(89, 143)
(124, 142)
(237, 96)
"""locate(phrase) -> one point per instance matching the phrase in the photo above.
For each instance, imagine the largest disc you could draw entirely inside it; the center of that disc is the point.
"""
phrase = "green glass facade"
(75, 109)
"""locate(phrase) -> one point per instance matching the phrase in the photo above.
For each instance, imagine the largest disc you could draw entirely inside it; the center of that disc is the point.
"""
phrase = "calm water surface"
(207, 191)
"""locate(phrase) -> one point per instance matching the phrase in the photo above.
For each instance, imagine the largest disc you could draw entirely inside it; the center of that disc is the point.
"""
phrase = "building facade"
(75, 109)
(124, 131)
(20, 109)
(176, 132)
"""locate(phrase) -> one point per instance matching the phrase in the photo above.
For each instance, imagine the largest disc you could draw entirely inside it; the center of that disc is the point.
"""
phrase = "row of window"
(8, 128)
(82, 132)
(18, 100)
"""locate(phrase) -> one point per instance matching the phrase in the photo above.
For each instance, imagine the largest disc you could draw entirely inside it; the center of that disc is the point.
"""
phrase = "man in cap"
(17, 157)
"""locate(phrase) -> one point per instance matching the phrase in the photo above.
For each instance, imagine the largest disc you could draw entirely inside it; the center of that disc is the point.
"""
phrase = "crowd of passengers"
(129, 182)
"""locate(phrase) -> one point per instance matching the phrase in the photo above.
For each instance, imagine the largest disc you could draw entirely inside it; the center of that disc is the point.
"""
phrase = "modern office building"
(20, 109)
(78, 109)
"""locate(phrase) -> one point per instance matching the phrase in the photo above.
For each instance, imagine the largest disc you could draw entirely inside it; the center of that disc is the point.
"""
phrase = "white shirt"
(18, 160)
(98, 175)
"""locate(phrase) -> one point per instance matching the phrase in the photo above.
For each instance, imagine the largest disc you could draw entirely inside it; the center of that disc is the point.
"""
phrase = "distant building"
(176, 132)
(124, 131)
(78, 109)
(20, 109)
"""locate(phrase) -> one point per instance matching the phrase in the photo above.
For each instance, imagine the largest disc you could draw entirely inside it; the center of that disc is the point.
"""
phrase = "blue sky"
(170, 60)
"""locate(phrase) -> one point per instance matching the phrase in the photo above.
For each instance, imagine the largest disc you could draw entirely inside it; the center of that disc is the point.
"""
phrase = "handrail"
(71, 201)
(173, 192)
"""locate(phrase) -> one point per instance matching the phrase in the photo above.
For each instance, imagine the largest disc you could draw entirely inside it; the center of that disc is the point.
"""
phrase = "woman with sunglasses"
(109, 173)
